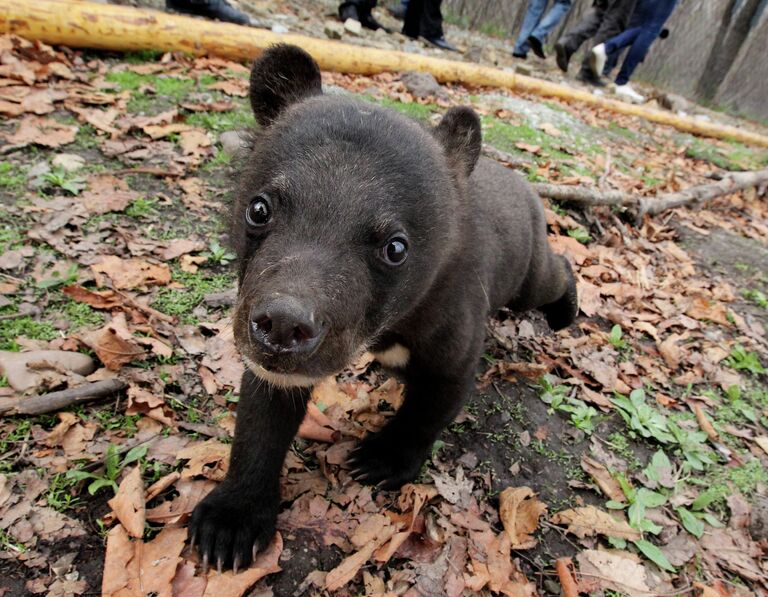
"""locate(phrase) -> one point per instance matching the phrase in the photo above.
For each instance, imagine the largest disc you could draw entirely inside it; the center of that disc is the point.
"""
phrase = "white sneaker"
(597, 58)
(628, 94)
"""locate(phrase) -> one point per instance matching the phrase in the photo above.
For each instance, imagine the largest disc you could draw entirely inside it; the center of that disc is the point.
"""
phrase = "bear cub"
(358, 229)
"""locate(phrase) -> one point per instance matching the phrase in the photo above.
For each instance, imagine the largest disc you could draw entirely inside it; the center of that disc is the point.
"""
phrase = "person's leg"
(212, 9)
(571, 40)
(359, 10)
(531, 19)
(646, 37)
(559, 9)
(600, 54)
(412, 21)
(615, 20)
(431, 25)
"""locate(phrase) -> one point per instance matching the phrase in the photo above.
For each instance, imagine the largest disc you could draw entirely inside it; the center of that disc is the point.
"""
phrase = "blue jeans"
(645, 26)
(534, 25)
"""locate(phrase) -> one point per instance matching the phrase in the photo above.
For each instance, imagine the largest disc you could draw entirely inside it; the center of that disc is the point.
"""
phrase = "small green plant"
(615, 338)
(141, 207)
(58, 279)
(583, 416)
(641, 417)
(692, 445)
(59, 494)
(756, 296)
(580, 234)
(113, 466)
(219, 254)
(8, 543)
(66, 181)
(743, 360)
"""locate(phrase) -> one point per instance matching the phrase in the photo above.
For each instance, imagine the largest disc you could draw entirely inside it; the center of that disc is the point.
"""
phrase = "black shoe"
(588, 77)
(370, 23)
(211, 9)
(442, 44)
(398, 11)
(521, 55)
(536, 46)
(562, 57)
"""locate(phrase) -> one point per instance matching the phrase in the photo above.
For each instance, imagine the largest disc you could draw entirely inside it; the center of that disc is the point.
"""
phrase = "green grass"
(12, 177)
(505, 136)
(181, 302)
(10, 329)
(413, 110)
(218, 122)
(735, 157)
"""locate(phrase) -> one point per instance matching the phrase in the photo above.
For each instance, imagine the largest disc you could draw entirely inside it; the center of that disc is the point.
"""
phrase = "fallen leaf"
(114, 344)
(209, 459)
(607, 484)
(519, 510)
(589, 521)
(614, 571)
(228, 584)
(130, 273)
(128, 503)
(42, 131)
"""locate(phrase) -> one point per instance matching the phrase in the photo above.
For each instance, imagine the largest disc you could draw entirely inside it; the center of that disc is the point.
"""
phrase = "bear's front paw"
(231, 526)
(380, 460)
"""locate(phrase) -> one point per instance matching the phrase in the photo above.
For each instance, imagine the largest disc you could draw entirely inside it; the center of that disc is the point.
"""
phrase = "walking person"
(646, 25)
(535, 29)
(360, 10)
(423, 18)
(604, 20)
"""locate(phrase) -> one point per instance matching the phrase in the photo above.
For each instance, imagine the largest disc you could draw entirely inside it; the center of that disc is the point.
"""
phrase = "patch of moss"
(731, 156)
(12, 177)
(181, 302)
(414, 110)
(218, 122)
(10, 329)
(505, 136)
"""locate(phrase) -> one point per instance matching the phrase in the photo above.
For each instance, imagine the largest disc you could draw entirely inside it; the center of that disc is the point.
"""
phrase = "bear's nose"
(285, 325)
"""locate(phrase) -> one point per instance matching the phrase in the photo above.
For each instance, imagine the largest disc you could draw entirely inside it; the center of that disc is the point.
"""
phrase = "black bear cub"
(357, 229)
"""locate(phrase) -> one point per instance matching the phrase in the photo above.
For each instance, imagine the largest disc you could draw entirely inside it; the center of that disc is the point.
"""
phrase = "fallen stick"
(506, 158)
(731, 182)
(55, 401)
(567, 583)
(123, 28)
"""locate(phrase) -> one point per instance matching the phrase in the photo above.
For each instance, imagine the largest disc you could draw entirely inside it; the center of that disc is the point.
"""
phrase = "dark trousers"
(603, 21)
(645, 26)
(423, 18)
(364, 7)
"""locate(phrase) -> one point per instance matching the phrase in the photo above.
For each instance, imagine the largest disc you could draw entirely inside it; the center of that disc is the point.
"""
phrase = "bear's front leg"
(394, 456)
(237, 519)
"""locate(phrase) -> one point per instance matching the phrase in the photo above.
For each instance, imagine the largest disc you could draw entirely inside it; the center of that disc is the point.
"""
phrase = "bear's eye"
(259, 212)
(395, 251)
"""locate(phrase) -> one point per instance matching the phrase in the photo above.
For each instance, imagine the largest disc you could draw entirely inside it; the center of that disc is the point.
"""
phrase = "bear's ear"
(459, 132)
(281, 76)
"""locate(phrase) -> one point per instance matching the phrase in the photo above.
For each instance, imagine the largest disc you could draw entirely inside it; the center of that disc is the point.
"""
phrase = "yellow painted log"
(112, 27)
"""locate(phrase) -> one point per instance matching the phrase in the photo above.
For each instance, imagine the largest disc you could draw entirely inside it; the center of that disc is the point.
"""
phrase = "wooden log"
(55, 401)
(123, 28)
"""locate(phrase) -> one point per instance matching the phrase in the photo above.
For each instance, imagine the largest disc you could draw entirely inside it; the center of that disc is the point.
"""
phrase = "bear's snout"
(284, 324)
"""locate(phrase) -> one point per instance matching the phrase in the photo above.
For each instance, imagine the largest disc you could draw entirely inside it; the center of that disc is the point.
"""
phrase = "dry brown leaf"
(114, 344)
(519, 510)
(209, 459)
(671, 352)
(349, 567)
(589, 521)
(42, 131)
(107, 193)
(762, 441)
(138, 568)
(141, 401)
(128, 503)
(613, 571)
(492, 566)
(607, 484)
(130, 273)
(228, 584)
(98, 299)
(191, 493)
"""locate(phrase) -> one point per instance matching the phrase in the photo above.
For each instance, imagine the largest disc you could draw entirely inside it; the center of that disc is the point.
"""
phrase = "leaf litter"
(682, 376)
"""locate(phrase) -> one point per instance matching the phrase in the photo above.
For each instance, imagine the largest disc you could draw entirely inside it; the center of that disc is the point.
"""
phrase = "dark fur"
(344, 176)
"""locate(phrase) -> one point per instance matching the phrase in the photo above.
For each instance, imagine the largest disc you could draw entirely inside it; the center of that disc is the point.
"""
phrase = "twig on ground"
(568, 584)
(148, 170)
(506, 158)
(54, 401)
(730, 183)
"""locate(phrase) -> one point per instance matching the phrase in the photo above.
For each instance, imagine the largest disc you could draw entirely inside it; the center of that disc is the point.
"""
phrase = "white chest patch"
(395, 356)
